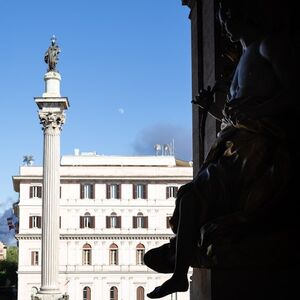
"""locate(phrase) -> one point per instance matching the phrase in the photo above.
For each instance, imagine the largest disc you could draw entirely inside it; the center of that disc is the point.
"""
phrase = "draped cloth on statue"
(246, 186)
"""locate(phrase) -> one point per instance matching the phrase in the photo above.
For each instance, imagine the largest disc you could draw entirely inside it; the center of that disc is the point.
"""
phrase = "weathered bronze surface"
(240, 210)
(51, 55)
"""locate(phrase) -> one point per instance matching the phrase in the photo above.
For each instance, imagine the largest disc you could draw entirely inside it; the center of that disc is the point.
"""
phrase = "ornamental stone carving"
(52, 120)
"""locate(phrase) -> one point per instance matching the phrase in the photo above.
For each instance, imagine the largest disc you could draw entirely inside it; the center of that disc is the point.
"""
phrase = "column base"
(51, 297)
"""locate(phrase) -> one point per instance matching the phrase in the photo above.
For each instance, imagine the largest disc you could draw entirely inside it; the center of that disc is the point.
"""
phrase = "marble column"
(52, 116)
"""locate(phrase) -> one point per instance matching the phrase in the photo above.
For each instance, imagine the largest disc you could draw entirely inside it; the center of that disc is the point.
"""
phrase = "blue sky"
(125, 67)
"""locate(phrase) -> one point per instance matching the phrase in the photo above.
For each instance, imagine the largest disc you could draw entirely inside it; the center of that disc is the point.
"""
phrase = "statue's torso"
(254, 76)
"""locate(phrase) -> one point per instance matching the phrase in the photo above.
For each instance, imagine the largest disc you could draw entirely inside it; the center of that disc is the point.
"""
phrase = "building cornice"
(128, 271)
(122, 178)
(100, 236)
(110, 177)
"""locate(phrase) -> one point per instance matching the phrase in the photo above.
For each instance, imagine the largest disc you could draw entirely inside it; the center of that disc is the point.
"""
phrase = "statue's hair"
(266, 15)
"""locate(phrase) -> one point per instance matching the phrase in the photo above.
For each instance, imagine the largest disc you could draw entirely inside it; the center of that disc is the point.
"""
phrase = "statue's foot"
(169, 287)
(161, 259)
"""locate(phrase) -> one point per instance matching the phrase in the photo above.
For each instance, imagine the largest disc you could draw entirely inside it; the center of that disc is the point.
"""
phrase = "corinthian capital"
(52, 120)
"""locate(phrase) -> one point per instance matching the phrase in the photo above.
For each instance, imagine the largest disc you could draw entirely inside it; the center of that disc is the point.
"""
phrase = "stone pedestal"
(52, 117)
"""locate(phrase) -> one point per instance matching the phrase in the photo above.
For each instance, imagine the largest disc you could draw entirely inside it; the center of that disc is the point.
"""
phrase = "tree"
(9, 267)
(28, 160)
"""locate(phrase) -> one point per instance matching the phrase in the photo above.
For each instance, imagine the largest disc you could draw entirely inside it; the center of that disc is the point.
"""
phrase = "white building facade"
(112, 210)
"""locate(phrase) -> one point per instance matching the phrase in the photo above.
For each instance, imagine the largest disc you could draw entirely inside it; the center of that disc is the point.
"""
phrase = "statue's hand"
(205, 98)
(209, 232)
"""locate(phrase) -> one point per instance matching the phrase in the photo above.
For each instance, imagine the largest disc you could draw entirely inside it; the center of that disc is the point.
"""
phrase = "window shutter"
(81, 191)
(134, 222)
(92, 191)
(145, 192)
(119, 191)
(81, 221)
(108, 222)
(140, 293)
(108, 191)
(134, 191)
(32, 258)
(145, 222)
(176, 190)
(39, 192)
(31, 192)
(119, 222)
(93, 222)
(39, 222)
(88, 293)
(168, 192)
(30, 222)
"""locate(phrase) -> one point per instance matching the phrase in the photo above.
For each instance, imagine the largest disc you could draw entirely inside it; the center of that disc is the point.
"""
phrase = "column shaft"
(50, 228)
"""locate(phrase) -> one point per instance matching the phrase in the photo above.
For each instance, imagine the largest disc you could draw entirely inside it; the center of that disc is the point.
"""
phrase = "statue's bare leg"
(185, 248)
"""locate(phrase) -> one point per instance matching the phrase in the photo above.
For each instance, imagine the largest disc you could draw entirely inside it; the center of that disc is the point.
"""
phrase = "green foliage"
(9, 267)
(12, 254)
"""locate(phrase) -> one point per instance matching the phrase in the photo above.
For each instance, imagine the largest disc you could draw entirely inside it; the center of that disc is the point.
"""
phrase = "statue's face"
(231, 23)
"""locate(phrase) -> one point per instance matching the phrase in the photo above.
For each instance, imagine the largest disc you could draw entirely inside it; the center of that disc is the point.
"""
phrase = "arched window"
(140, 293)
(140, 251)
(86, 254)
(140, 220)
(113, 254)
(87, 220)
(86, 293)
(113, 220)
(113, 293)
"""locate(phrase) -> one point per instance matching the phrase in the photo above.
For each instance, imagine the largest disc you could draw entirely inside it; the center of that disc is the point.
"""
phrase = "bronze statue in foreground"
(240, 210)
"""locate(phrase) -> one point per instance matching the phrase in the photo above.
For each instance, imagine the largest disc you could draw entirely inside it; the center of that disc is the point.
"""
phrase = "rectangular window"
(87, 221)
(172, 191)
(168, 221)
(113, 191)
(140, 222)
(35, 191)
(139, 191)
(35, 222)
(34, 258)
(113, 221)
(87, 191)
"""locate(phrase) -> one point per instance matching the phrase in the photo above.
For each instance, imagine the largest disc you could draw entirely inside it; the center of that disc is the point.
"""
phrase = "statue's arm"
(46, 57)
(280, 52)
